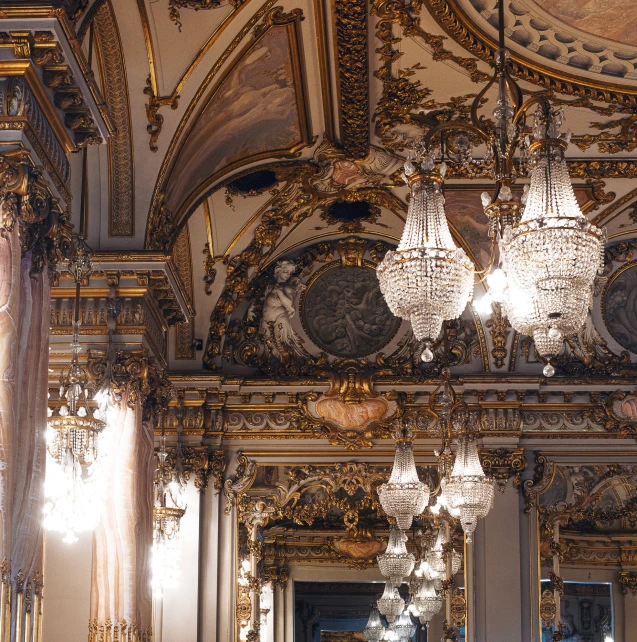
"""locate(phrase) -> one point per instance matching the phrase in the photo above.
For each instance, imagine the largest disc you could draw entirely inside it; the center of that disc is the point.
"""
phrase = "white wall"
(180, 604)
(67, 588)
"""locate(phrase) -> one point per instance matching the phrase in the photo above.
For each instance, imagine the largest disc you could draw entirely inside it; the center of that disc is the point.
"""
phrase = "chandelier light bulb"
(427, 354)
(428, 279)
(548, 370)
(404, 495)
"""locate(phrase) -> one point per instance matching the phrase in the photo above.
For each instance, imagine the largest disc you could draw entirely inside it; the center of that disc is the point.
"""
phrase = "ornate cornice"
(26, 201)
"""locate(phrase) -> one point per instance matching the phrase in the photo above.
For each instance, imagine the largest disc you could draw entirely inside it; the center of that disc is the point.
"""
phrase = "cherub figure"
(278, 309)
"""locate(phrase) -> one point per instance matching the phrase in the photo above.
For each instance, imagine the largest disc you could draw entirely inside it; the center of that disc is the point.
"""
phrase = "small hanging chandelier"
(390, 604)
(374, 629)
(73, 476)
(468, 489)
(168, 510)
(404, 495)
(396, 563)
(403, 628)
(427, 602)
(428, 279)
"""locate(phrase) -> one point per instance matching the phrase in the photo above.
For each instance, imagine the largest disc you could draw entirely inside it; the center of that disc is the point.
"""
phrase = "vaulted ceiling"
(250, 131)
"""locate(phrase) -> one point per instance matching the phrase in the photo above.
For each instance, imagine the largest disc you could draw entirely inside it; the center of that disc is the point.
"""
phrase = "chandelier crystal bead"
(468, 490)
(396, 562)
(390, 604)
(428, 279)
(404, 495)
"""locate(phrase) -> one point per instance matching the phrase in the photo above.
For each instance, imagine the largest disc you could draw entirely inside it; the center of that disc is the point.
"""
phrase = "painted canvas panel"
(614, 19)
(466, 215)
(252, 112)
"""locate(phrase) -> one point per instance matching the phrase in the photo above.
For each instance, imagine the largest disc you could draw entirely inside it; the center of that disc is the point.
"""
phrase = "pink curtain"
(120, 587)
(30, 434)
(9, 307)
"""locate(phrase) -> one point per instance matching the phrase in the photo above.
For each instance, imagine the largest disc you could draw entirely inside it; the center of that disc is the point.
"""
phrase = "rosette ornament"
(468, 489)
(428, 279)
(404, 495)
(390, 604)
(396, 562)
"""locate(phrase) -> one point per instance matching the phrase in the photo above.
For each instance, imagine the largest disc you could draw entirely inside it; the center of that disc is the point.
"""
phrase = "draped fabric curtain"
(9, 309)
(31, 411)
(120, 588)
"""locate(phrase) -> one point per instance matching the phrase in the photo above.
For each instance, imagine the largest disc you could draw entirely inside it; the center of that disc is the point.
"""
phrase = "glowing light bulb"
(483, 305)
(497, 282)
(549, 370)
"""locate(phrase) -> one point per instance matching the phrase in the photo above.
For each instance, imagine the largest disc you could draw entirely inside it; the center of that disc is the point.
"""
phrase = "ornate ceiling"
(260, 144)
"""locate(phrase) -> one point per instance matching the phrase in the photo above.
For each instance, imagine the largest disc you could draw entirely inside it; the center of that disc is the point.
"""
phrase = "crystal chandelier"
(426, 601)
(168, 510)
(390, 604)
(554, 254)
(428, 279)
(468, 489)
(549, 253)
(73, 474)
(396, 563)
(404, 629)
(374, 628)
(404, 495)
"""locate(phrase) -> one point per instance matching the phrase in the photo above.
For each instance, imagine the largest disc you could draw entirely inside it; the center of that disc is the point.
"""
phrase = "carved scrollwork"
(548, 609)
(26, 201)
(503, 465)
(628, 582)
(243, 479)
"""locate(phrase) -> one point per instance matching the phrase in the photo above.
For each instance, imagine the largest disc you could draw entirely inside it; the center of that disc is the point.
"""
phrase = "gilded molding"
(182, 259)
(43, 50)
(499, 327)
(121, 218)
(175, 5)
(628, 582)
(503, 465)
(350, 17)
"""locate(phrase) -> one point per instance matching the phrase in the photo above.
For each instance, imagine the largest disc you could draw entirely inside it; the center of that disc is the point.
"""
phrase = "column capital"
(503, 465)
(628, 582)
(26, 202)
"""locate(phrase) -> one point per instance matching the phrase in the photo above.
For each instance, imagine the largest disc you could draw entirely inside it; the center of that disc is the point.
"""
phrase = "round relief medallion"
(344, 312)
(620, 307)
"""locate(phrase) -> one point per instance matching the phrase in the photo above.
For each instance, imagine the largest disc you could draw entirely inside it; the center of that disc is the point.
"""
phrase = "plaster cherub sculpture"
(278, 309)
